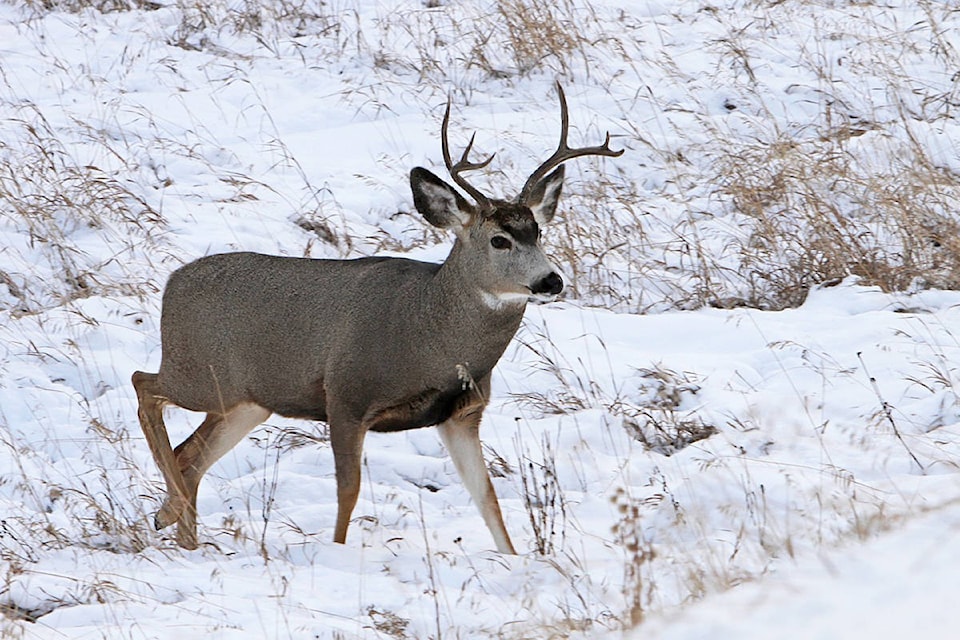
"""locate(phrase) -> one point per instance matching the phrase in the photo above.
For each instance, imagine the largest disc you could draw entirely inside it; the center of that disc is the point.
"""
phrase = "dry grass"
(638, 556)
(543, 498)
(205, 26)
(102, 6)
(56, 201)
(539, 30)
(744, 211)
(817, 215)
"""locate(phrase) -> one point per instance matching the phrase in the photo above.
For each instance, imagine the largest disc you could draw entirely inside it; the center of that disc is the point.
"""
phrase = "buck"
(369, 344)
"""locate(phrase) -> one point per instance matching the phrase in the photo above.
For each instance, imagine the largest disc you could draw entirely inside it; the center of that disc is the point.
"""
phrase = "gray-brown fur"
(302, 337)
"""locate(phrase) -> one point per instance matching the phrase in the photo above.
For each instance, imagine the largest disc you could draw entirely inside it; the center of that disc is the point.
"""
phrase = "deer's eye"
(500, 242)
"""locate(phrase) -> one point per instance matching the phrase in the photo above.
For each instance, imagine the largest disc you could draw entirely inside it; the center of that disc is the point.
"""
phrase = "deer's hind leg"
(150, 412)
(183, 468)
(216, 435)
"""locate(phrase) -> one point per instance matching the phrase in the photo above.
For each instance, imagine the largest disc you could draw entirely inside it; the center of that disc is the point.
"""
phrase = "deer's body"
(216, 357)
(373, 344)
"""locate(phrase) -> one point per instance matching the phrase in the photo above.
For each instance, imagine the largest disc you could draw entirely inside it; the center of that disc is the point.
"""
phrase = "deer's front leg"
(346, 440)
(461, 436)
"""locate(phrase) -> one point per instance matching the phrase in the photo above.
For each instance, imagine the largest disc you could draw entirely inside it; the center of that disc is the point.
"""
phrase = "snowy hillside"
(740, 418)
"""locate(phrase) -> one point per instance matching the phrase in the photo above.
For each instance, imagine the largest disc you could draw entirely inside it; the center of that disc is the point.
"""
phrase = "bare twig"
(888, 413)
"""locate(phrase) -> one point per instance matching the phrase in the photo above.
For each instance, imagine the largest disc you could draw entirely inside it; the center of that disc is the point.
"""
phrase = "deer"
(377, 344)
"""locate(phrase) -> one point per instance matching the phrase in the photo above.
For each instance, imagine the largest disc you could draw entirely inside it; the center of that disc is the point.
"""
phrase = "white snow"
(825, 502)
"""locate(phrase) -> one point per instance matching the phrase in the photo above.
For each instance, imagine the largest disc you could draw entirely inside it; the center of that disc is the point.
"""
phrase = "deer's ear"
(544, 196)
(440, 203)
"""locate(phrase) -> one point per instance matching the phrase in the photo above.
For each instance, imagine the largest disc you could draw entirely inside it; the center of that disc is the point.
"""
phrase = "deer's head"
(500, 239)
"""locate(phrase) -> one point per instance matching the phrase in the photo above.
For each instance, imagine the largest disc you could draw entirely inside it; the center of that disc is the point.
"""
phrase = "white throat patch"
(500, 300)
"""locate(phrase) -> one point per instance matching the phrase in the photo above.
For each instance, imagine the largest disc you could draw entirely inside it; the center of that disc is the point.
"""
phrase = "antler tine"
(564, 152)
(463, 164)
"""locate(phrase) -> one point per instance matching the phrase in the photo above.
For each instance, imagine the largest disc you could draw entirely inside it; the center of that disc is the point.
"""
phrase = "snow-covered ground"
(895, 586)
(671, 460)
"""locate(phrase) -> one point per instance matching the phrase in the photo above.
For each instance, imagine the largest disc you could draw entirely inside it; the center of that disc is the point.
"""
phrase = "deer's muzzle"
(551, 284)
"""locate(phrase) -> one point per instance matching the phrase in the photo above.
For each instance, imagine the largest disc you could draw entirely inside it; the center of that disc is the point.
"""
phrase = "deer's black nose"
(551, 284)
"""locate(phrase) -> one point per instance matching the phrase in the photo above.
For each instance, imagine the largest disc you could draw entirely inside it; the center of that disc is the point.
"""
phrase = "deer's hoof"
(168, 514)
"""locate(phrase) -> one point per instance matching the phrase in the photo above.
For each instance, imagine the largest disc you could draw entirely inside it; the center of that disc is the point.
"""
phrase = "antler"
(563, 152)
(463, 164)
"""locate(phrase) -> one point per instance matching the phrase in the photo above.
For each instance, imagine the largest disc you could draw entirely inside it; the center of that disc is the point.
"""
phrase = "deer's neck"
(480, 321)
(461, 288)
